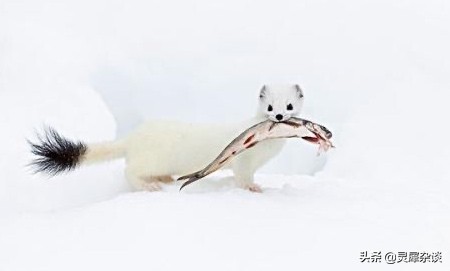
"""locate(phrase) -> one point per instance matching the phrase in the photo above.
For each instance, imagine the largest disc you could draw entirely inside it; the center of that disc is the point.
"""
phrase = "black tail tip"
(55, 154)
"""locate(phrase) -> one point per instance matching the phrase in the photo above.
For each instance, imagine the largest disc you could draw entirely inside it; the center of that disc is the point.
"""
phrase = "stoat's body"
(158, 150)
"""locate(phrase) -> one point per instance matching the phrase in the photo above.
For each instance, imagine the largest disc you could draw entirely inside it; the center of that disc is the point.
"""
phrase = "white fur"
(160, 149)
(279, 97)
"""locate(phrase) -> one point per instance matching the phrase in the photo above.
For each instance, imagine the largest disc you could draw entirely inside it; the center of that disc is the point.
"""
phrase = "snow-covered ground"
(375, 72)
(300, 222)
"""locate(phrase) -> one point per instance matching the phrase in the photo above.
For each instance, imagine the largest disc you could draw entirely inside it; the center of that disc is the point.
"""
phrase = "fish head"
(280, 102)
(324, 131)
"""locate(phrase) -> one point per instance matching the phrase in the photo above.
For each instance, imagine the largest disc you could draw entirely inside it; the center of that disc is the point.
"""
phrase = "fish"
(291, 128)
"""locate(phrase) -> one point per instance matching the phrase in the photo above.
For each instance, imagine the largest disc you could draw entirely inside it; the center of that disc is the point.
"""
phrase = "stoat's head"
(279, 103)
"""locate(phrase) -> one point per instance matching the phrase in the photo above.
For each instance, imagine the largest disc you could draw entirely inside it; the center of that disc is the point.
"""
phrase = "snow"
(374, 72)
(298, 222)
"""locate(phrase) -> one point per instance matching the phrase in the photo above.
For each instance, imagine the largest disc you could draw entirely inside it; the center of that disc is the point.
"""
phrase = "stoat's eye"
(290, 107)
(270, 108)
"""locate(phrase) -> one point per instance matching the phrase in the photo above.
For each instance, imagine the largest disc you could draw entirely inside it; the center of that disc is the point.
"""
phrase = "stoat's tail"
(56, 154)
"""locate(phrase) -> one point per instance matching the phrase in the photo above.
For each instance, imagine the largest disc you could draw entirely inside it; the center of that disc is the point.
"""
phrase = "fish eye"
(270, 108)
(290, 107)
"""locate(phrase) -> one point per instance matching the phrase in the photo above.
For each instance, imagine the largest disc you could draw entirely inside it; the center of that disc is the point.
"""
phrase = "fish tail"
(189, 176)
(191, 180)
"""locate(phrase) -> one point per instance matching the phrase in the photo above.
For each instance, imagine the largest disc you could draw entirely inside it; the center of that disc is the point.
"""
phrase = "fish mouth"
(328, 134)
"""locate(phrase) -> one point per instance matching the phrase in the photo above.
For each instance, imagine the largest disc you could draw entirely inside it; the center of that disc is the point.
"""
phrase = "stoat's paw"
(152, 186)
(252, 187)
(165, 179)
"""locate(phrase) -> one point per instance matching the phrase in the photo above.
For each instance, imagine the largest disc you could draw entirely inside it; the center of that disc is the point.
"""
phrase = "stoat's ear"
(299, 91)
(262, 92)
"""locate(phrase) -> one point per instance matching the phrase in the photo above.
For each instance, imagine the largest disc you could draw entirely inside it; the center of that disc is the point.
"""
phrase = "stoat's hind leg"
(163, 179)
(152, 186)
(154, 183)
(148, 183)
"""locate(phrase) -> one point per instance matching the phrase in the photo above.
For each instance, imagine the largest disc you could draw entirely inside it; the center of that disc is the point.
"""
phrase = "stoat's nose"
(279, 117)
